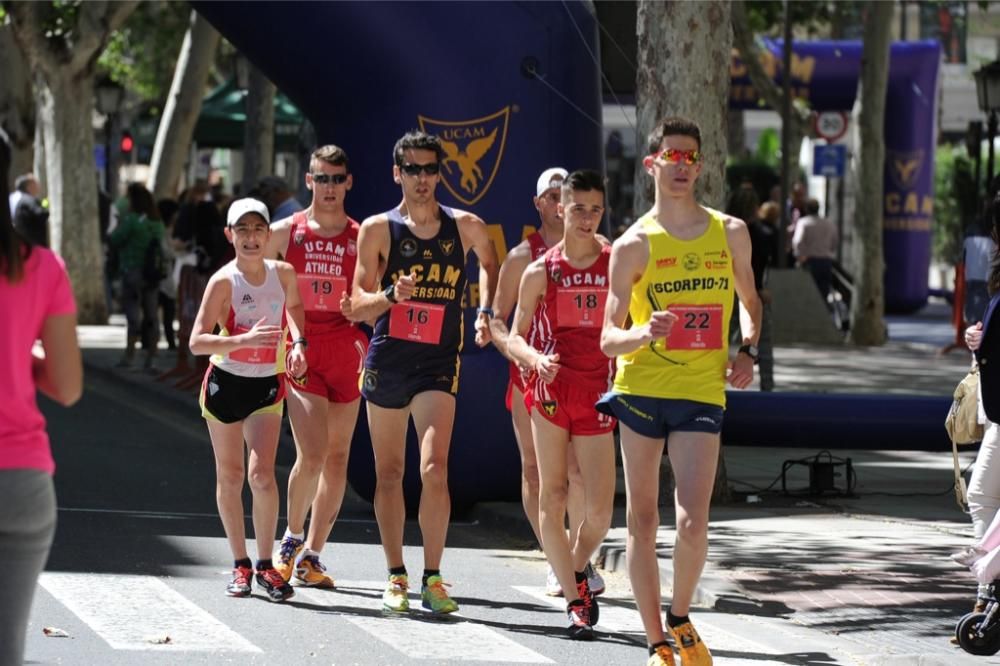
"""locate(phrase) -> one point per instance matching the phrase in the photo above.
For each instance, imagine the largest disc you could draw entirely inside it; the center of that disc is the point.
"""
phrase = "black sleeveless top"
(439, 265)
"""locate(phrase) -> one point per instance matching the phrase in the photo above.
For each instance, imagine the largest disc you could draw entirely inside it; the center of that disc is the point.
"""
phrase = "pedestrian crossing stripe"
(138, 612)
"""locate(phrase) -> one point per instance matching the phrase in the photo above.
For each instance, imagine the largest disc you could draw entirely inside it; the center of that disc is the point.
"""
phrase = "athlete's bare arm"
(212, 312)
(277, 243)
(367, 302)
(738, 238)
(296, 315)
(629, 255)
(505, 297)
(532, 290)
(475, 237)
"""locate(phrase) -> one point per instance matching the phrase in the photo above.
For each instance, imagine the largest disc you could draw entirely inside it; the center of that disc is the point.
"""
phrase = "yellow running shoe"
(435, 598)
(661, 655)
(692, 650)
(395, 596)
(284, 557)
(310, 572)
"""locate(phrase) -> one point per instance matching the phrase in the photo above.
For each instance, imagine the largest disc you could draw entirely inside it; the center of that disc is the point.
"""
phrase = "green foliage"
(767, 16)
(142, 54)
(769, 148)
(954, 202)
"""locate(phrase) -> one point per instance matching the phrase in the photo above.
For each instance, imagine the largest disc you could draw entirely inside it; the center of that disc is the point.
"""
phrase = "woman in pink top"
(37, 304)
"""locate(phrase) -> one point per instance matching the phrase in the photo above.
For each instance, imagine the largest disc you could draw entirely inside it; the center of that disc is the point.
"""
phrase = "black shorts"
(230, 398)
(395, 390)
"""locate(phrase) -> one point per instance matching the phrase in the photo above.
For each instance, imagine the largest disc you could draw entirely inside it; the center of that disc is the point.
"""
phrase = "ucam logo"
(473, 150)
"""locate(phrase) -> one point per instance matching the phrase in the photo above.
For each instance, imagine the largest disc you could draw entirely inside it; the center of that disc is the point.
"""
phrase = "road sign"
(829, 160)
(831, 125)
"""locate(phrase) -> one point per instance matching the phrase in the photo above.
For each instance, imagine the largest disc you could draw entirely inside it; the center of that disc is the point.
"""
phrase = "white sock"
(300, 536)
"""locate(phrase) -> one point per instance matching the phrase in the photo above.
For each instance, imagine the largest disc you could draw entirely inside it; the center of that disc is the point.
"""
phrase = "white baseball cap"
(552, 177)
(241, 207)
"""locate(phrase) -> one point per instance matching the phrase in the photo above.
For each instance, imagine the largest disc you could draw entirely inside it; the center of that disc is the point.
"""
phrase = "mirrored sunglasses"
(690, 157)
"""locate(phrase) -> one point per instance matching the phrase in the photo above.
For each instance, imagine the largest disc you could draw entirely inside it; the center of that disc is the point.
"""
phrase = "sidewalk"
(870, 572)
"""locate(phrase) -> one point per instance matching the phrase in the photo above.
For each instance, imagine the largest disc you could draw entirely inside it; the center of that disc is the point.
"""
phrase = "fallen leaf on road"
(54, 632)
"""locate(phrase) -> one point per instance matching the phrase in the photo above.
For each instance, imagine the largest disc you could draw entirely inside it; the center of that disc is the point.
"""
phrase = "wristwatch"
(486, 311)
(751, 351)
(390, 293)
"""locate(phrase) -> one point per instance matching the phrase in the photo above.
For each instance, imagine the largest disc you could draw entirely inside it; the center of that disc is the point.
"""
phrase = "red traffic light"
(127, 143)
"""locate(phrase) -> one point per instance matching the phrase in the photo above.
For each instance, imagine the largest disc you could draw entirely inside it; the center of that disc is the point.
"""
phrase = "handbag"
(962, 424)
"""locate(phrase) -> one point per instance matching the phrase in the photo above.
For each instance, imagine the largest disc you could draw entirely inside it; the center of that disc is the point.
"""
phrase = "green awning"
(223, 117)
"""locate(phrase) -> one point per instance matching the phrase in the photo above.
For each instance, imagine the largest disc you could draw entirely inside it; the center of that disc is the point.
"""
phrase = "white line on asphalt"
(135, 612)
(451, 638)
(613, 618)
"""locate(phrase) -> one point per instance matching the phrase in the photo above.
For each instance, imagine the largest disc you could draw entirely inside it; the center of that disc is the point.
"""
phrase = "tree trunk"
(183, 106)
(683, 70)
(73, 224)
(869, 302)
(17, 106)
(63, 74)
(258, 148)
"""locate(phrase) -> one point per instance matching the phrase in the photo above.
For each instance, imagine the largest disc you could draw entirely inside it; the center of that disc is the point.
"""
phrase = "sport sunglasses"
(690, 157)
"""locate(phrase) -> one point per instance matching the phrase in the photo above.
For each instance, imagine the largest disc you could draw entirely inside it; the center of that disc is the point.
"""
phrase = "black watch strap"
(390, 293)
(750, 351)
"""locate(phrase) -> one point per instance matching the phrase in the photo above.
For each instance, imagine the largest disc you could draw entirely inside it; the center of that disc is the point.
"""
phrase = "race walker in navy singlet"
(411, 278)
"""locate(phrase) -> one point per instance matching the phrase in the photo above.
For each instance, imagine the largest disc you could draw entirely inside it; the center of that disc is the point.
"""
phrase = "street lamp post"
(988, 96)
(110, 96)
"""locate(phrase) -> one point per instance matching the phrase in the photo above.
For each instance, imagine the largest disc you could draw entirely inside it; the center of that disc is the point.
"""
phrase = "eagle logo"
(550, 407)
(447, 246)
(905, 167)
(473, 151)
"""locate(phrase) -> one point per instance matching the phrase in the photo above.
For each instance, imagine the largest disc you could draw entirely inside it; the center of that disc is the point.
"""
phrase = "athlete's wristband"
(300, 341)
(486, 311)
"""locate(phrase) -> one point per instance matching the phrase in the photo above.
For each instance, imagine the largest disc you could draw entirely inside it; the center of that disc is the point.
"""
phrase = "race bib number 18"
(697, 327)
(322, 293)
(580, 307)
(416, 322)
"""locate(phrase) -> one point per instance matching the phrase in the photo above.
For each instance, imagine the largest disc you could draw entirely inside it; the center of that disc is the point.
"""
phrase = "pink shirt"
(43, 291)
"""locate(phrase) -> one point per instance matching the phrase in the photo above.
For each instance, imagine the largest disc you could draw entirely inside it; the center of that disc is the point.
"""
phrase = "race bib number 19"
(697, 327)
(322, 293)
(580, 308)
(416, 322)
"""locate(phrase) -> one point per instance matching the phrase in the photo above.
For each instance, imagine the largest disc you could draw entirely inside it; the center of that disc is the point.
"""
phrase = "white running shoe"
(968, 555)
(552, 586)
(594, 580)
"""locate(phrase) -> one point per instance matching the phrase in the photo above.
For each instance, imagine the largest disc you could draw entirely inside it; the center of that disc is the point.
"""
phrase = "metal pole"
(107, 156)
(786, 139)
(991, 131)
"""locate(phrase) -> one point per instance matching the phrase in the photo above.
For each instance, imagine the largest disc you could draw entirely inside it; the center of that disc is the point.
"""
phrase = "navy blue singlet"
(439, 264)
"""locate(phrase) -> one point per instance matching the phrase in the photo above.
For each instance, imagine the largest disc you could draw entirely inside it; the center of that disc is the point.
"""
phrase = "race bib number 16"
(416, 322)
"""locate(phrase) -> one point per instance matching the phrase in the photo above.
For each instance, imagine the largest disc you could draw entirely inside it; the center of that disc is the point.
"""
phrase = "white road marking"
(613, 619)
(130, 612)
(419, 634)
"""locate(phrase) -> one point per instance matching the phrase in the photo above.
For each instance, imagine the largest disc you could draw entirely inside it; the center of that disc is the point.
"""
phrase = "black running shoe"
(580, 628)
(274, 585)
(240, 585)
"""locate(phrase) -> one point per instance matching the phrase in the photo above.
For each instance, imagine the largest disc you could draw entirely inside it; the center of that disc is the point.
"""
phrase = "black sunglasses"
(335, 178)
(415, 169)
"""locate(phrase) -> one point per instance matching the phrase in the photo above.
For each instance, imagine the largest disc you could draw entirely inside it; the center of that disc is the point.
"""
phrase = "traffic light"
(127, 143)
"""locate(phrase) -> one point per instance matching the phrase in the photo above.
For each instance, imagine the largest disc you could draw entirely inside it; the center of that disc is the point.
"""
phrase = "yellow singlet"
(694, 280)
